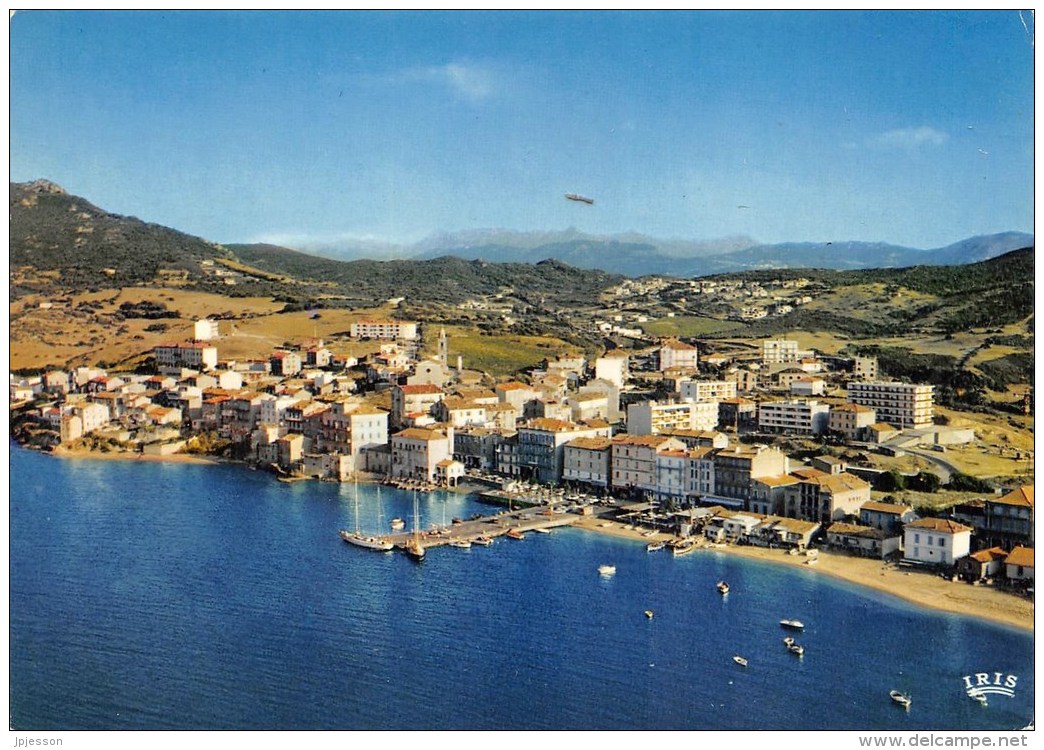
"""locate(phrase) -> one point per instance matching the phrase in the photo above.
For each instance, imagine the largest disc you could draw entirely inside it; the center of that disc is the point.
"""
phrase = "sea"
(172, 596)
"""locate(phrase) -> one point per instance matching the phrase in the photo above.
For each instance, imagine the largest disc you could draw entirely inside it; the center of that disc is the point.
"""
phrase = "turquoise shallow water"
(173, 596)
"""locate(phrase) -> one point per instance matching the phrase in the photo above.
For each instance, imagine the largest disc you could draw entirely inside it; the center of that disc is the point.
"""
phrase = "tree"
(924, 481)
(890, 481)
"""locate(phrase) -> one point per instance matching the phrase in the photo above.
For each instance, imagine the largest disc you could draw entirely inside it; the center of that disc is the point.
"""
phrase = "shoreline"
(175, 458)
(915, 587)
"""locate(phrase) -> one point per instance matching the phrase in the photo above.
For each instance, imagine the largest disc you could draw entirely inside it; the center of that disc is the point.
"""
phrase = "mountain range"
(636, 255)
(51, 228)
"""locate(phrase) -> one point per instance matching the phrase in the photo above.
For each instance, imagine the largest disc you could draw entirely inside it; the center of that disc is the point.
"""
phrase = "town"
(658, 437)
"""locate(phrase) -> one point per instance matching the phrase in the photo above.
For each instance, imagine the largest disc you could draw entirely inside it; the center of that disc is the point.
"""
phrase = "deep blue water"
(172, 596)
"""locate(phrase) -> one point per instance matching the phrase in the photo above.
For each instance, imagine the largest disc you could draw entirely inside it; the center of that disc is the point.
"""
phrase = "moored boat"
(397, 524)
(683, 547)
(797, 649)
(649, 613)
(901, 698)
(655, 546)
(740, 660)
(792, 624)
(542, 530)
(460, 543)
(485, 541)
(369, 542)
(606, 570)
(515, 534)
(723, 588)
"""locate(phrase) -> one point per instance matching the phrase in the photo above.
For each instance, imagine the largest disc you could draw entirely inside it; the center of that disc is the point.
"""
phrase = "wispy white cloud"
(469, 80)
(911, 138)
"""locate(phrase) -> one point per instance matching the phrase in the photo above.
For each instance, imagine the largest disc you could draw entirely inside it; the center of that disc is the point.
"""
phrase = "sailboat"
(358, 538)
(413, 546)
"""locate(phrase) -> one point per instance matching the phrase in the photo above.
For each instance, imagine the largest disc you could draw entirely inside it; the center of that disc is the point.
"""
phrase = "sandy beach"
(178, 458)
(920, 588)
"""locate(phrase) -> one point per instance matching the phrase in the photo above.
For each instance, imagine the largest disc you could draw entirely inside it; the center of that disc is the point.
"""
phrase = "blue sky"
(908, 127)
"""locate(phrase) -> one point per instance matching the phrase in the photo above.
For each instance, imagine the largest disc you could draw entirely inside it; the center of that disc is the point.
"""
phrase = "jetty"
(484, 527)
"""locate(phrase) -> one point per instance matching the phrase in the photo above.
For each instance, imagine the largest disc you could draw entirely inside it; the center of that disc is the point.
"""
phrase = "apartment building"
(851, 420)
(384, 329)
(798, 417)
(777, 351)
(412, 399)
(904, 405)
(735, 466)
(192, 355)
(652, 417)
(707, 390)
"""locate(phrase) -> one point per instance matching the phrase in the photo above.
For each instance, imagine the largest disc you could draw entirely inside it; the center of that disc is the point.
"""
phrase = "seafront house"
(825, 497)
(417, 451)
(935, 541)
(1019, 566)
(886, 516)
(541, 446)
(982, 565)
(735, 466)
(865, 541)
(634, 462)
(1008, 520)
(587, 461)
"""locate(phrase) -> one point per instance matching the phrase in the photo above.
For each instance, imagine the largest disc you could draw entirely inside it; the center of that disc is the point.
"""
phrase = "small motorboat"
(649, 613)
(655, 546)
(460, 543)
(740, 660)
(606, 570)
(792, 624)
(796, 648)
(540, 530)
(900, 698)
(975, 695)
(723, 588)
(788, 642)
(398, 524)
(515, 534)
(485, 541)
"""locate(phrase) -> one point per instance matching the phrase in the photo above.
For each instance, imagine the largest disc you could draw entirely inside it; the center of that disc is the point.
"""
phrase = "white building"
(794, 417)
(777, 351)
(384, 329)
(205, 330)
(707, 390)
(936, 541)
(652, 417)
(674, 353)
(192, 355)
(416, 452)
(612, 367)
(905, 405)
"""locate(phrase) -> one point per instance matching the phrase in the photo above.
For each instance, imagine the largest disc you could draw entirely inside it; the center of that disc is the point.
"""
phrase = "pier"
(518, 521)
